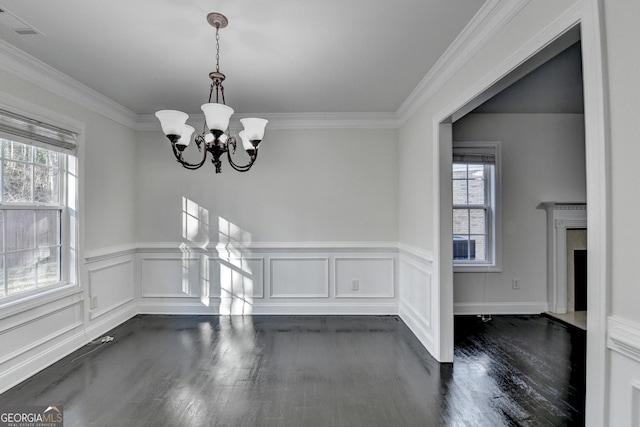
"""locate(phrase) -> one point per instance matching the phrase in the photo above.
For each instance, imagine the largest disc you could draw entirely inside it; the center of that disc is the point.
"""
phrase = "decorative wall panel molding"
(420, 254)
(299, 278)
(105, 254)
(635, 403)
(417, 296)
(112, 285)
(21, 315)
(45, 327)
(624, 337)
(68, 337)
(170, 277)
(240, 277)
(364, 277)
(416, 291)
(268, 278)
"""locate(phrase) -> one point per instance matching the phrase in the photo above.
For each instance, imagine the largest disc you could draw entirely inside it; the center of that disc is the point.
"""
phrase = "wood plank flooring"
(317, 371)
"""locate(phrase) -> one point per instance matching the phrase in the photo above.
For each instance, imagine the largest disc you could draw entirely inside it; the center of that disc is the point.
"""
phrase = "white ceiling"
(280, 56)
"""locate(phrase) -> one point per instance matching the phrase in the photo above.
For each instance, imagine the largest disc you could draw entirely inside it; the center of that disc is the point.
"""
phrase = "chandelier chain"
(217, 49)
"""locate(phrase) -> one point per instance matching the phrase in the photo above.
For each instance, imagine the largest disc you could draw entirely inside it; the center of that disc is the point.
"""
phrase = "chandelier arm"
(210, 93)
(184, 163)
(242, 168)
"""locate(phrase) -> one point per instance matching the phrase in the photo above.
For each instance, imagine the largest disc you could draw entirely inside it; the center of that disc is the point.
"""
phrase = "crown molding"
(558, 28)
(280, 121)
(19, 63)
(490, 19)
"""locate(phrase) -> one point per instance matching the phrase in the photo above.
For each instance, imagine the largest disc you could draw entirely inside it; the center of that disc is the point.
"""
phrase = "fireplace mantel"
(561, 216)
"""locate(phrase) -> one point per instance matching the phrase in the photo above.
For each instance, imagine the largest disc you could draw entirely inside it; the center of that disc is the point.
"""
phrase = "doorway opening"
(531, 130)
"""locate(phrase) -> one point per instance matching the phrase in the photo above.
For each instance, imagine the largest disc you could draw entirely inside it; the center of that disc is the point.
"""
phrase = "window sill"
(476, 268)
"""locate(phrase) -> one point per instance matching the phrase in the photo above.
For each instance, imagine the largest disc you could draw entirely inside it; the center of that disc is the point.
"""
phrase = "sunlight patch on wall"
(195, 223)
(195, 230)
(236, 278)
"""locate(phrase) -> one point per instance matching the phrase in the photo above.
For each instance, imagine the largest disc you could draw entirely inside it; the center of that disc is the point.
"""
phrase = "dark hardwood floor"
(317, 371)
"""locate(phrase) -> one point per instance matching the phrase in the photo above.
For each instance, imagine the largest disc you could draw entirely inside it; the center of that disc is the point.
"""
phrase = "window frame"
(493, 204)
(53, 124)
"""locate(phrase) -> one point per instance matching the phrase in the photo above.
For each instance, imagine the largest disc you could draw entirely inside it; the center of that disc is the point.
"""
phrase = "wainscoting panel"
(299, 277)
(364, 277)
(416, 293)
(38, 334)
(417, 298)
(623, 341)
(42, 329)
(110, 285)
(236, 277)
(268, 278)
(170, 277)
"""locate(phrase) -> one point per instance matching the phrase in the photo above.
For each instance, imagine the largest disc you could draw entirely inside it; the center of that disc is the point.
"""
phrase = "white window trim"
(24, 301)
(494, 264)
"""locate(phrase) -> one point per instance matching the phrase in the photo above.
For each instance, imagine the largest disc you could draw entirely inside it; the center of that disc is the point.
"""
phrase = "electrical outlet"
(355, 284)
(515, 283)
(93, 303)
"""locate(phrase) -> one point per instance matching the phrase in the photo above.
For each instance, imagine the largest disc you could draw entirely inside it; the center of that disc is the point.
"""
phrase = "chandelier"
(215, 137)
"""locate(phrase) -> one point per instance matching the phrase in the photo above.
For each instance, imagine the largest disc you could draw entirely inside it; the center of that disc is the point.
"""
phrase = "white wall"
(37, 332)
(331, 185)
(108, 158)
(542, 160)
(622, 44)
(317, 211)
(420, 159)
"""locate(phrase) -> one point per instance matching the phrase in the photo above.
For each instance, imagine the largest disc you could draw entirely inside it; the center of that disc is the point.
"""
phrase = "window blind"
(32, 130)
(477, 155)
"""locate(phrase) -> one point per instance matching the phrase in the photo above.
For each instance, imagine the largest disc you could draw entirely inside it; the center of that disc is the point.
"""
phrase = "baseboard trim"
(500, 308)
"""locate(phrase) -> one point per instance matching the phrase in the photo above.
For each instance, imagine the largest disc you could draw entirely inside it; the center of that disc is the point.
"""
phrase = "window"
(37, 208)
(475, 206)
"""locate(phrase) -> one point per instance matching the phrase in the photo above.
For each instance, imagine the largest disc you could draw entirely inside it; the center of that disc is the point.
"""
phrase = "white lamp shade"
(254, 128)
(246, 142)
(217, 116)
(172, 121)
(185, 137)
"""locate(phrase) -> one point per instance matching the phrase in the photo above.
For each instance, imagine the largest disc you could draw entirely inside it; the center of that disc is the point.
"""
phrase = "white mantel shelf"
(561, 216)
